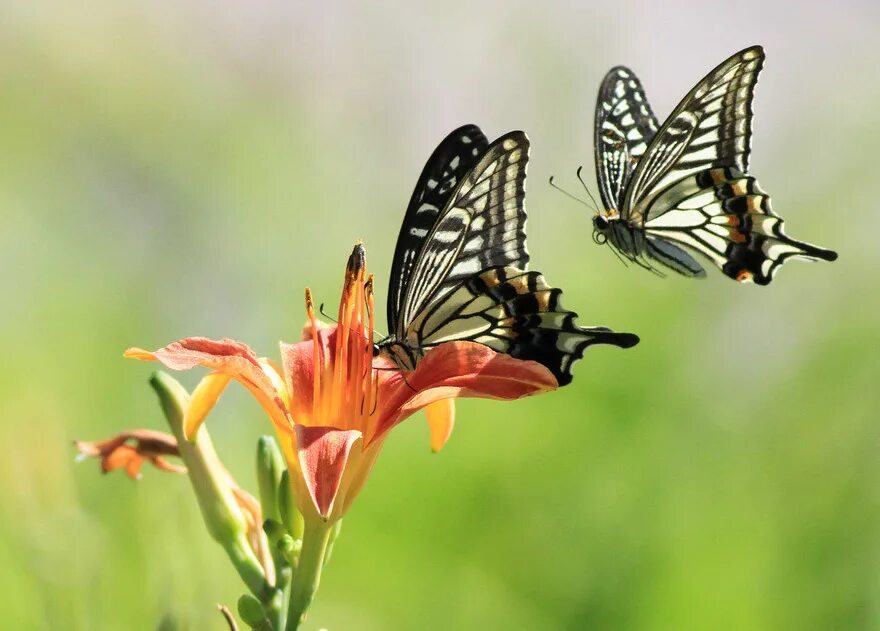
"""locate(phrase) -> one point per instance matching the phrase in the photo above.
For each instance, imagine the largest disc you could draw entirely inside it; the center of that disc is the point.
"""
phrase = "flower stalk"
(223, 517)
(308, 572)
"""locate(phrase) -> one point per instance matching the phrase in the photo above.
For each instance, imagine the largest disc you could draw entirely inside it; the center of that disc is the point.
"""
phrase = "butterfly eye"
(376, 350)
(600, 223)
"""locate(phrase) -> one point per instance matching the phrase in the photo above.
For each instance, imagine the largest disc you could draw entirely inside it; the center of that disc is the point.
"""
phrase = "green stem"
(223, 517)
(308, 572)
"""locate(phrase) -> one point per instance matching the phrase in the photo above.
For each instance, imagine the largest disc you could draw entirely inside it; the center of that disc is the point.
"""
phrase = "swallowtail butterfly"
(684, 186)
(460, 268)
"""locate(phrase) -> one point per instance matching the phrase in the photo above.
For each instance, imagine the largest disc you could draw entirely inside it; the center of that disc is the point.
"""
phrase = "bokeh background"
(186, 168)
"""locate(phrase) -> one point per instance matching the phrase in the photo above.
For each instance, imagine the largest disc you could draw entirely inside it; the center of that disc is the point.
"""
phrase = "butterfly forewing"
(453, 158)
(481, 226)
(624, 126)
(711, 127)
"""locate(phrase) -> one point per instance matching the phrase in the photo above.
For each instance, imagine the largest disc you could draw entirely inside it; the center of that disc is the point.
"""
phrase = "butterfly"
(460, 267)
(684, 186)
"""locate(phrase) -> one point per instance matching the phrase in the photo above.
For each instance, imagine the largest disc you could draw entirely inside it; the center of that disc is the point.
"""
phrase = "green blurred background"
(186, 168)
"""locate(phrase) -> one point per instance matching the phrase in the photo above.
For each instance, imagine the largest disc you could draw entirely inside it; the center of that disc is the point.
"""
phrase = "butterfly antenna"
(325, 314)
(587, 188)
(333, 320)
(566, 193)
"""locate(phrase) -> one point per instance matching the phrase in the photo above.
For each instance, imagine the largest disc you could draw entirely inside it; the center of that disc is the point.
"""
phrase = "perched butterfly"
(685, 185)
(460, 266)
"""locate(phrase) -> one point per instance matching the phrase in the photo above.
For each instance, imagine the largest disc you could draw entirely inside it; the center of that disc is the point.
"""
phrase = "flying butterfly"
(460, 268)
(685, 186)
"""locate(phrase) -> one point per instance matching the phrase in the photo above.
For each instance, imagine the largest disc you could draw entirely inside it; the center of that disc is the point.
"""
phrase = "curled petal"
(146, 445)
(229, 357)
(441, 420)
(323, 454)
(202, 401)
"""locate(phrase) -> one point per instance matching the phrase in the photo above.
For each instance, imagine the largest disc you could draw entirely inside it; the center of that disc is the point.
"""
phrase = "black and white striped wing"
(514, 312)
(624, 126)
(481, 226)
(723, 214)
(710, 128)
(453, 158)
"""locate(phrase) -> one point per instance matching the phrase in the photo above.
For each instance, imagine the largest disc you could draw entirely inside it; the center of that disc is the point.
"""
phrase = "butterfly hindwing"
(453, 158)
(726, 216)
(514, 312)
(624, 126)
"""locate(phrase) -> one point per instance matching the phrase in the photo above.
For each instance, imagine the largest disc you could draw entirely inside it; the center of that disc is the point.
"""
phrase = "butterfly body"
(684, 186)
(460, 269)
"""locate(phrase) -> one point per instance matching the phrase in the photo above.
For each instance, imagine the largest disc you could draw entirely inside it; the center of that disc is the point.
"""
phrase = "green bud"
(270, 466)
(250, 610)
(289, 548)
(274, 530)
(290, 516)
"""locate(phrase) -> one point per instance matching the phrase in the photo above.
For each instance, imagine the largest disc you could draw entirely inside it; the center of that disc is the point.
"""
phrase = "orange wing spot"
(543, 300)
(744, 276)
(738, 188)
(733, 220)
(507, 323)
(490, 277)
(753, 204)
(521, 284)
(718, 176)
(736, 236)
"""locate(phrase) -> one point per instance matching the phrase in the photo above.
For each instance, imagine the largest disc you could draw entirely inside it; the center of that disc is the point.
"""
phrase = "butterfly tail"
(533, 324)
(758, 245)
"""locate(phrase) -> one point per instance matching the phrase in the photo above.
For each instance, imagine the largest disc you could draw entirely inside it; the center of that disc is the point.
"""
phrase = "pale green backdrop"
(187, 168)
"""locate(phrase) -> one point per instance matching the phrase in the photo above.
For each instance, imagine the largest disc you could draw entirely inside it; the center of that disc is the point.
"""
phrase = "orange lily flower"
(333, 403)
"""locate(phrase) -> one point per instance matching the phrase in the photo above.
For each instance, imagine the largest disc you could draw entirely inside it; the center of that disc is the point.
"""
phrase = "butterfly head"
(601, 228)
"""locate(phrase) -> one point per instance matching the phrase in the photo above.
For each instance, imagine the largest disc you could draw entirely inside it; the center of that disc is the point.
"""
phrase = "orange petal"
(229, 357)
(457, 369)
(202, 401)
(323, 454)
(441, 420)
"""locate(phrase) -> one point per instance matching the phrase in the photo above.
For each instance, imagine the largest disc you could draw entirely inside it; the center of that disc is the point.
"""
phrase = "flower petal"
(202, 401)
(441, 420)
(323, 453)
(226, 356)
(116, 453)
(457, 369)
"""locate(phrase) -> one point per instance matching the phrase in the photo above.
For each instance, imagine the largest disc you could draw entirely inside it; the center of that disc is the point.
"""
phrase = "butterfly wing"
(482, 225)
(726, 216)
(711, 127)
(624, 126)
(453, 158)
(514, 312)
